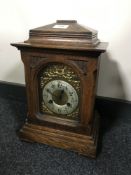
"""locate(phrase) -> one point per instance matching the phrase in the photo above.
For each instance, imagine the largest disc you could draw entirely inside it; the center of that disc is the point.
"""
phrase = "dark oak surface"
(78, 48)
(74, 37)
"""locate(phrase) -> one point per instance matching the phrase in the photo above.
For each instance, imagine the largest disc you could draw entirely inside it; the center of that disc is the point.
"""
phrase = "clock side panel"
(89, 91)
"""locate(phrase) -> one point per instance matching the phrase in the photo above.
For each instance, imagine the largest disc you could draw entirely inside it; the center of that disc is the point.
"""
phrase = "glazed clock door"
(59, 92)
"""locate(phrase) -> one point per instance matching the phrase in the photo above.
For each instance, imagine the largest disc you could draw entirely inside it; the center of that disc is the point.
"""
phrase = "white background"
(111, 18)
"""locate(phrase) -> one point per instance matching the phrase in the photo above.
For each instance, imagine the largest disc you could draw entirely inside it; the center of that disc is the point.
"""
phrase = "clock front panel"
(59, 91)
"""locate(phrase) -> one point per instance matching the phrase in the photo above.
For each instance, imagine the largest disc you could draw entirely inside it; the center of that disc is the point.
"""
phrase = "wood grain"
(83, 144)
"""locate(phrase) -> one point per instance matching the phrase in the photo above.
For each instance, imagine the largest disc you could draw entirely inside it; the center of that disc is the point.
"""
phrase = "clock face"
(60, 97)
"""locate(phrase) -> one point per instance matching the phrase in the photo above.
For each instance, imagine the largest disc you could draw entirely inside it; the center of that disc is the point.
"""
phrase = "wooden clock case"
(70, 44)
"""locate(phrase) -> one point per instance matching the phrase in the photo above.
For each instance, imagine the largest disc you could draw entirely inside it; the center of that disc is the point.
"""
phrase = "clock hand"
(61, 94)
(51, 93)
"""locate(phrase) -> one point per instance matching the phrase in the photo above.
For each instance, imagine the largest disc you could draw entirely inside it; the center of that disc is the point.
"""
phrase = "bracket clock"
(61, 63)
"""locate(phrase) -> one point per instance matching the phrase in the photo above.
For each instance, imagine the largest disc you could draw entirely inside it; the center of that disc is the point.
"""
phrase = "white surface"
(60, 26)
(111, 18)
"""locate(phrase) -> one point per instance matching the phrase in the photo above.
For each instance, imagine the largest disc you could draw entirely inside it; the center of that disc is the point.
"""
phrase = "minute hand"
(51, 93)
(60, 97)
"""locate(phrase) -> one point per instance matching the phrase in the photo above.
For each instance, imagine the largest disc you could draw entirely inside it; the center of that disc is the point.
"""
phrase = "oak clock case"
(61, 63)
